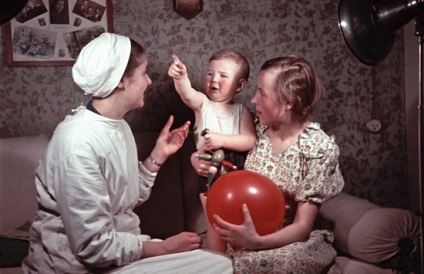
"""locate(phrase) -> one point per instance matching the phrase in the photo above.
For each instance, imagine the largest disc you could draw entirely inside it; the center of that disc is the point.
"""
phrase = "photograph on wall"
(52, 32)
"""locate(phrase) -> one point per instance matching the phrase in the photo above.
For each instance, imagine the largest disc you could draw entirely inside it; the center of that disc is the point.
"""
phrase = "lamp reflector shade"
(369, 26)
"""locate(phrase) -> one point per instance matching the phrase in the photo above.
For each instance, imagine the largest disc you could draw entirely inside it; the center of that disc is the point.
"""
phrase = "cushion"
(19, 157)
(380, 235)
(351, 266)
(342, 212)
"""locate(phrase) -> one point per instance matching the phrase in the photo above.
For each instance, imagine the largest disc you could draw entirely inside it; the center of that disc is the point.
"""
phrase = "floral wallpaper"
(34, 100)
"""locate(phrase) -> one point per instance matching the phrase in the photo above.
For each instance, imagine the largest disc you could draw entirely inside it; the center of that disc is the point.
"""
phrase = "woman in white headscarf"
(90, 180)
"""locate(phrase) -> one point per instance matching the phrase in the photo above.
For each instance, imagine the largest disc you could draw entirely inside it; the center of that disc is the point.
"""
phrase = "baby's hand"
(213, 141)
(177, 69)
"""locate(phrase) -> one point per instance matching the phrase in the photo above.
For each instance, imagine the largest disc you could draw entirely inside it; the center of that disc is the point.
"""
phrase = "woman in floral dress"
(298, 156)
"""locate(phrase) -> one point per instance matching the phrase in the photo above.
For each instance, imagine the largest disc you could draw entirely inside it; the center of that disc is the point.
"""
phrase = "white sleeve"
(146, 181)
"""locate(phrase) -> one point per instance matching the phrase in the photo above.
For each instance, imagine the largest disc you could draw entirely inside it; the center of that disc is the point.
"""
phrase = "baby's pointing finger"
(176, 60)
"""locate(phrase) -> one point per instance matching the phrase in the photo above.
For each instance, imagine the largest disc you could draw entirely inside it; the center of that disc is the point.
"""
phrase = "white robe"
(88, 183)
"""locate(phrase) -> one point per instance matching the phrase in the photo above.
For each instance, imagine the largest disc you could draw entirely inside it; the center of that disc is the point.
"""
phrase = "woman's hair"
(296, 82)
(235, 56)
(137, 56)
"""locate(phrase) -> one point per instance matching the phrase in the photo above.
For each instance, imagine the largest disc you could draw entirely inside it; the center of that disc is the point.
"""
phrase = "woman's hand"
(169, 142)
(185, 241)
(243, 236)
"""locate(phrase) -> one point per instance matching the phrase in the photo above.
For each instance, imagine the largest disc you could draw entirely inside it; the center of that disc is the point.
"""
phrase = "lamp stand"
(419, 31)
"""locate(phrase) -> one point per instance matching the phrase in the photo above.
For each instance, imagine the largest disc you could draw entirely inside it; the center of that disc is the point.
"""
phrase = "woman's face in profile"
(268, 107)
(137, 83)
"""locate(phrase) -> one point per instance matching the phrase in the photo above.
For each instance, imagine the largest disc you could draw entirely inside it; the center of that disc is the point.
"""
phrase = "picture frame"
(188, 8)
(52, 32)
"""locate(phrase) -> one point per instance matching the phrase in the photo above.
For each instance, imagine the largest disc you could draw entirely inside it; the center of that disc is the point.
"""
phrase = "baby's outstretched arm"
(191, 97)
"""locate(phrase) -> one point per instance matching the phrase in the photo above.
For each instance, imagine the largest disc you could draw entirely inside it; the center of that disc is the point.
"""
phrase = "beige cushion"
(18, 159)
(376, 236)
(352, 266)
(371, 233)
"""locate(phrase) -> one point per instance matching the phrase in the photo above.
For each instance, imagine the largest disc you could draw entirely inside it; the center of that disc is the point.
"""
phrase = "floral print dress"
(306, 171)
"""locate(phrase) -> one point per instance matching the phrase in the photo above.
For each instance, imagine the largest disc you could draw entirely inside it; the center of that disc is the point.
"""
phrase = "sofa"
(368, 238)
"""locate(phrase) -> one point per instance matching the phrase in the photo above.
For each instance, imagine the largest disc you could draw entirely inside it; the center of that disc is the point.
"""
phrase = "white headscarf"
(101, 64)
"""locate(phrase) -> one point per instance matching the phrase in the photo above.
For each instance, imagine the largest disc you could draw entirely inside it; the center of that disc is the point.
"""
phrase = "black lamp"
(10, 8)
(368, 28)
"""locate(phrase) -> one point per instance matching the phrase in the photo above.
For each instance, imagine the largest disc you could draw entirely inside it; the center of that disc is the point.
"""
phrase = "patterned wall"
(33, 100)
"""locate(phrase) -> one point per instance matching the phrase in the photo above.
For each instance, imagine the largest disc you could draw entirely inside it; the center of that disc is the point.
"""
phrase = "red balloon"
(263, 198)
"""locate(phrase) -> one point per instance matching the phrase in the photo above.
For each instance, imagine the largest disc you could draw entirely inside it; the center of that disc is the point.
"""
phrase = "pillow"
(383, 236)
(341, 212)
(351, 266)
